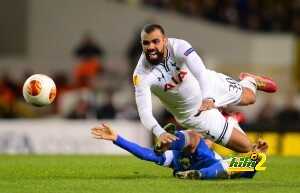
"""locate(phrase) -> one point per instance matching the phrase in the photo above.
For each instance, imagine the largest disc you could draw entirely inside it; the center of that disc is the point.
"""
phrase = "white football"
(39, 90)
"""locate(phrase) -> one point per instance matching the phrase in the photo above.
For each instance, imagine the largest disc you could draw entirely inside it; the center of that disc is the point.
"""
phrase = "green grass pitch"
(74, 174)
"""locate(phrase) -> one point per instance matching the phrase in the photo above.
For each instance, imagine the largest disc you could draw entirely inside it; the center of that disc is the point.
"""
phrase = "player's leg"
(214, 171)
(225, 132)
(219, 170)
(216, 167)
(231, 92)
(248, 97)
(263, 83)
(251, 83)
(228, 91)
(238, 142)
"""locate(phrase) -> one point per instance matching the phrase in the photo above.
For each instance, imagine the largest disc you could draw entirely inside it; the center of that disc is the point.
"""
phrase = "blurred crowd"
(82, 93)
(85, 92)
(253, 15)
(81, 99)
(274, 117)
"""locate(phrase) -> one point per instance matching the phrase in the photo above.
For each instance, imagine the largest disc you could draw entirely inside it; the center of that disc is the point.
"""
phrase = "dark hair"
(148, 28)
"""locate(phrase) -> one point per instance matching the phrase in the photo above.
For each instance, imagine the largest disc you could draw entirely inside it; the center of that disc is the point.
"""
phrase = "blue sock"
(248, 174)
(214, 171)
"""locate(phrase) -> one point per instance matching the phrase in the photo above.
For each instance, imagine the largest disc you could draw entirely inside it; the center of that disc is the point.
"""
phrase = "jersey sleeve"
(139, 151)
(186, 53)
(143, 100)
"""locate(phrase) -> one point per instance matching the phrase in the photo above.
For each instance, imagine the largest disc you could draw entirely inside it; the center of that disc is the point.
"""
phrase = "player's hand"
(260, 146)
(207, 104)
(166, 138)
(189, 174)
(104, 132)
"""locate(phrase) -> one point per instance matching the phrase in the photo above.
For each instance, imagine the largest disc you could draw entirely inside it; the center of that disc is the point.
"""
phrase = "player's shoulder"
(142, 73)
(179, 47)
(176, 43)
(142, 66)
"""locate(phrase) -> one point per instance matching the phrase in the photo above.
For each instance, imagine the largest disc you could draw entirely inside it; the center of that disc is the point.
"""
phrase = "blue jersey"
(203, 157)
(204, 160)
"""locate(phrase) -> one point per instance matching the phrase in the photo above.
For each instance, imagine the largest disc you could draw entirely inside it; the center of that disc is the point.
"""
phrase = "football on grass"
(39, 90)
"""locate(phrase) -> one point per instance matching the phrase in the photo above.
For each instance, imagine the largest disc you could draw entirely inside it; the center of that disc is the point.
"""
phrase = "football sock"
(250, 83)
(214, 171)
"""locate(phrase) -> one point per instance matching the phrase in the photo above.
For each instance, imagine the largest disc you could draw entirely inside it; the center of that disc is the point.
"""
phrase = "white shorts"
(225, 90)
(212, 124)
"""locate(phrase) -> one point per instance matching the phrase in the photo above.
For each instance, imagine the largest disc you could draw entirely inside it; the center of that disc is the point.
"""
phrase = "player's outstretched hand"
(167, 138)
(104, 132)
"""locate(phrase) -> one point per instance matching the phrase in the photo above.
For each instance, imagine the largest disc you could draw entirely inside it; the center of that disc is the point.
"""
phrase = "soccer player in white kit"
(172, 70)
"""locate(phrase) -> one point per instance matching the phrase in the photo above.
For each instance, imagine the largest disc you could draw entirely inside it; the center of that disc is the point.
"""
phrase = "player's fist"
(104, 132)
(167, 138)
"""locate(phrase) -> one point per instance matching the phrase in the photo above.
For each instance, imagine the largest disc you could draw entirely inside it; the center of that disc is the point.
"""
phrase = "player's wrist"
(163, 133)
(118, 140)
(115, 138)
(158, 131)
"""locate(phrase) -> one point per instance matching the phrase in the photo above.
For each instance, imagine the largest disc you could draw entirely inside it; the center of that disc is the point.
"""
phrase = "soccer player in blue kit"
(189, 156)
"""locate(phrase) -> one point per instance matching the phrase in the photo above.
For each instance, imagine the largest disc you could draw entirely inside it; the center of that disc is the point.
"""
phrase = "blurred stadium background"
(90, 49)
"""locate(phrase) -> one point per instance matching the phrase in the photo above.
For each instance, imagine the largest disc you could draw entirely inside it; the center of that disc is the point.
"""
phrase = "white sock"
(250, 83)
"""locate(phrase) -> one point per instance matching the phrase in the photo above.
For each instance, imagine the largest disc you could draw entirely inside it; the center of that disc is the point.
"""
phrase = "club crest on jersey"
(136, 80)
(177, 79)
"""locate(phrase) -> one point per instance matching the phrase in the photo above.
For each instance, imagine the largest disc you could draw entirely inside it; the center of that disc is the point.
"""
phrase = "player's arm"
(106, 133)
(144, 106)
(195, 64)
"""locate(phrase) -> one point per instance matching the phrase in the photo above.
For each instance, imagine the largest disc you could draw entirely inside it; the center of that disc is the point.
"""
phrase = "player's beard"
(156, 58)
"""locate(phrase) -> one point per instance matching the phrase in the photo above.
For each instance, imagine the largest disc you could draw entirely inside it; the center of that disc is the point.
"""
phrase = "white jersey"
(181, 83)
